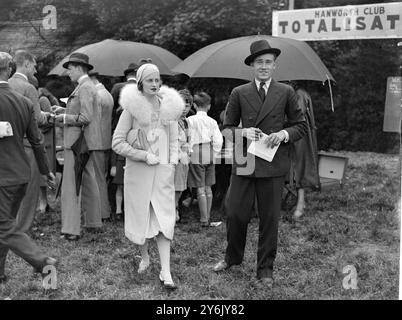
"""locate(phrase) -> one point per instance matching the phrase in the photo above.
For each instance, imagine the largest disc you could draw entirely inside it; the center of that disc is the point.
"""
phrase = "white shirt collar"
(204, 113)
(132, 78)
(22, 75)
(1, 81)
(82, 78)
(267, 84)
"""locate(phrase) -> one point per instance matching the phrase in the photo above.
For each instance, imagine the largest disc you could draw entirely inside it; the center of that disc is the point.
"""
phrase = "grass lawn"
(357, 225)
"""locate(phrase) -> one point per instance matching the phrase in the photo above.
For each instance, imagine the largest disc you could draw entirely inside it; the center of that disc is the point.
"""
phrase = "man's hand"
(113, 171)
(251, 133)
(51, 181)
(58, 109)
(59, 118)
(275, 138)
(152, 159)
(50, 117)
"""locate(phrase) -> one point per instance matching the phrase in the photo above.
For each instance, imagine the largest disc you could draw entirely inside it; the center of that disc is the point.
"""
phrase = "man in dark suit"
(130, 74)
(18, 114)
(261, 106)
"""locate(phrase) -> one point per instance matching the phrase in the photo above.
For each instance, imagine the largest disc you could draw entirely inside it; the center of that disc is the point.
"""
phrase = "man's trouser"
(241, 196)
(89, 198)
(26, 214)
(11, 237)
(100, 172)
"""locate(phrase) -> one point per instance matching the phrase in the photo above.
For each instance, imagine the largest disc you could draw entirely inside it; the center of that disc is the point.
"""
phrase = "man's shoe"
(50, 261)
(220, 266)
(265, 283)
(204, 224)
(70, 237)
(94, 230)
(3, 279)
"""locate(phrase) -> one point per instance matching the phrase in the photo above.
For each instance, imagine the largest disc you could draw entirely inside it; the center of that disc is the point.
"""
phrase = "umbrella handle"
(54, 147)
(59, 186)
(330, 93)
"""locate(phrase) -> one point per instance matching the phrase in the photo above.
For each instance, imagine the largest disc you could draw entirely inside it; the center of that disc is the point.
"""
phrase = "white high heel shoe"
(167, 284)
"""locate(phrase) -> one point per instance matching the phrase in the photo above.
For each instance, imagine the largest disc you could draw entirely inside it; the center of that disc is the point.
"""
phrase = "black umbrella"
(81, 156)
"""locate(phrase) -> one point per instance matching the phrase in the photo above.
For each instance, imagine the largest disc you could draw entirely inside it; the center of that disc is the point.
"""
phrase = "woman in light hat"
(147, 136)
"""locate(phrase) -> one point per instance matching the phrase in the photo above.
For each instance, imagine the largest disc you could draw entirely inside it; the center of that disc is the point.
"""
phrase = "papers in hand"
(64, 100)
(5, 129)
(260, 149)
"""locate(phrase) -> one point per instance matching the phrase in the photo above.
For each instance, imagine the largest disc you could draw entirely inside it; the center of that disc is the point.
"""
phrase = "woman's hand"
(113, 171)
(152, 159)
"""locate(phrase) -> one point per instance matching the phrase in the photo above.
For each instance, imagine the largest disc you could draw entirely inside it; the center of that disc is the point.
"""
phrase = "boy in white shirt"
(206, 143)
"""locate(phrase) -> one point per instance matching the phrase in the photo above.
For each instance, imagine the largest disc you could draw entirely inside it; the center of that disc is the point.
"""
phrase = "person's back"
(105, 100)
(17, 110)
(23, 87)
(205, 137)
(206, 142)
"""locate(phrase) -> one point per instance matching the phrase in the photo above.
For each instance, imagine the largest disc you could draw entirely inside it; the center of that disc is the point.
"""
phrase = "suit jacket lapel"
(253, 97)
(270, 102)
(78, 86)
(75, 90)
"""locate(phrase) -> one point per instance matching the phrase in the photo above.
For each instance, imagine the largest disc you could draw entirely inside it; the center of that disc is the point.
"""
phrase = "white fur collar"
(172, 104)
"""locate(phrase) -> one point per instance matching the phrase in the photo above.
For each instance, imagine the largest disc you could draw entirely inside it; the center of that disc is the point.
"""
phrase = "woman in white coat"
(147, 136)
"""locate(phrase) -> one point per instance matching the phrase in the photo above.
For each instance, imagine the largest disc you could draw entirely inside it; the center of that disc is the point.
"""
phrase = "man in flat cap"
(17, 119)
(82, 113)
(262, 107)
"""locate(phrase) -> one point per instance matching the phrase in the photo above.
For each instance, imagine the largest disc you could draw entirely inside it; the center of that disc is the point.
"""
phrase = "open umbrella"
(225, 59)
(111, 57)
(81, 157)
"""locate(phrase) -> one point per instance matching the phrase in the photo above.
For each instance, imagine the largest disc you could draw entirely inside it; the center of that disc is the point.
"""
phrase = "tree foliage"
(360, 67)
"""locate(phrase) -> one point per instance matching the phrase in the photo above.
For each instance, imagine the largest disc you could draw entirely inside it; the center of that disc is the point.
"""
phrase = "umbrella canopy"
(81, 157)
(111, 57)
(225, 59)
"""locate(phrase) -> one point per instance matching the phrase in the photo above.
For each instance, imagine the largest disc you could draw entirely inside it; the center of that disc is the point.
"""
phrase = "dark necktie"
(261, 91)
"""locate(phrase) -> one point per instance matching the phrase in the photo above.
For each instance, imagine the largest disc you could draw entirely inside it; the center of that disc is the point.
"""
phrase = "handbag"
(137, 138)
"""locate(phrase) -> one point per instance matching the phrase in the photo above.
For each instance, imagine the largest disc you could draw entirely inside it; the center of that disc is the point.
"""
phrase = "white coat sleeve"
(119, 141)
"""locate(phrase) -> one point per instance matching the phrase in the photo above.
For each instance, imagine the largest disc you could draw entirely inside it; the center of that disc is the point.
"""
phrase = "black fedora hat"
(80, 58)
(132, 67)
(258, 48)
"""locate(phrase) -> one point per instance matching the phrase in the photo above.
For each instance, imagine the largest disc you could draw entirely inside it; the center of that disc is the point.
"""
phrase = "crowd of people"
(153, 143)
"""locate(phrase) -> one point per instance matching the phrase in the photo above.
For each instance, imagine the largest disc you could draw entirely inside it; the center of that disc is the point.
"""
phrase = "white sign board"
(369, 21)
